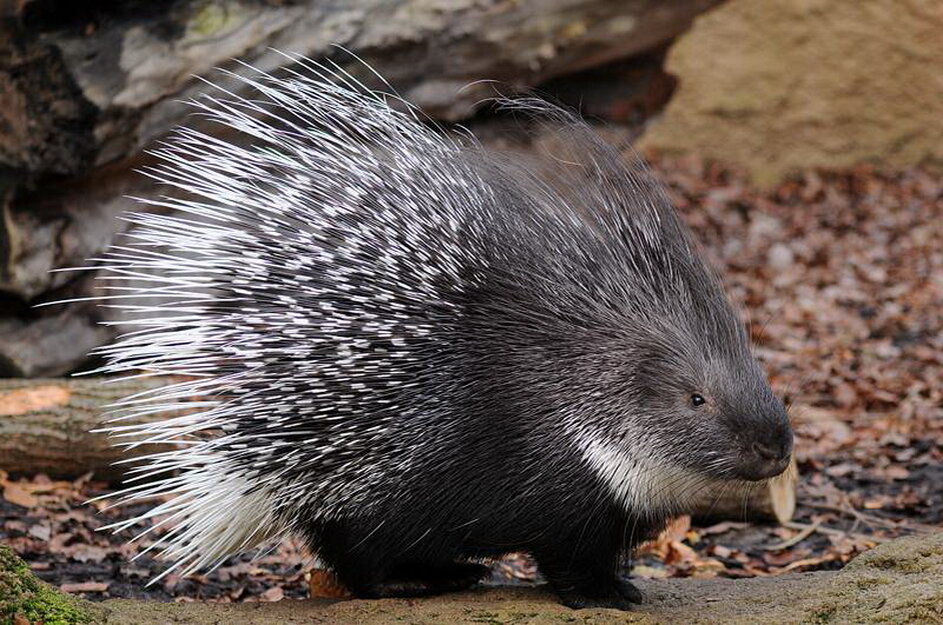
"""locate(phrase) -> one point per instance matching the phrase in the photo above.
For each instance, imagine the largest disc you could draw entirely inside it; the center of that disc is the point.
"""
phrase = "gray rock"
(109, 92)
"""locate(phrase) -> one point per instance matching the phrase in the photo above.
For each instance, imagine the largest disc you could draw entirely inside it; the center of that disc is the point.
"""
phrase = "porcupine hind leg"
(368, 571)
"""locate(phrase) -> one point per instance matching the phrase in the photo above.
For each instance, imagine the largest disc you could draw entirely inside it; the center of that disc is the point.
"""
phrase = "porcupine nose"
(768, 456)
(772, 452)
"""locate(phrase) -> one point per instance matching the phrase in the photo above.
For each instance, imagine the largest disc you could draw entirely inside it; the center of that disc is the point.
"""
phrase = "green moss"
(824, 615)
(209, 19)
(894, 562)
(871, 582)
(21, 594)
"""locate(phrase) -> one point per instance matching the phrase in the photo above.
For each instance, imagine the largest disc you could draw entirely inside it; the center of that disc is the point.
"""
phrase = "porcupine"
(415, 353)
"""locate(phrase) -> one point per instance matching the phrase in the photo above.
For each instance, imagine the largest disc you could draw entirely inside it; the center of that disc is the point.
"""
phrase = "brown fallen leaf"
(803, 563)
(16, 494)
(721, 551)
(273, 594)
(720, 528)
(324, 585)
(88, 553)
(40, 531)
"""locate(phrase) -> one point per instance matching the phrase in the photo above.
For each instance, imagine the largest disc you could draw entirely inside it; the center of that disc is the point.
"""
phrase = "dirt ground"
(841, 277)
(900, 582)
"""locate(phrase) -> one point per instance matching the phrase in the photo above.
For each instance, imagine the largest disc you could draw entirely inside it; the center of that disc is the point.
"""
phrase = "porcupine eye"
(697, 400)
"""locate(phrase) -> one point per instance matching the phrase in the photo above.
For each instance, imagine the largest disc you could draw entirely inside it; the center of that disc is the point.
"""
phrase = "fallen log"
(46, 425)
(94, 85)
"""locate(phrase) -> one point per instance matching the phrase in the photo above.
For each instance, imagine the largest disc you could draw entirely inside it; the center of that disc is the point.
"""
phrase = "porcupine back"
(344, 290)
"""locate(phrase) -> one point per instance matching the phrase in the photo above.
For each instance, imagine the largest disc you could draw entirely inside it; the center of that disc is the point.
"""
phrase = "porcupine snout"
(766, 441)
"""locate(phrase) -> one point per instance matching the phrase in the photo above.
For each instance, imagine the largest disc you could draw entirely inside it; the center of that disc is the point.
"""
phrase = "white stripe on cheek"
(639, 483)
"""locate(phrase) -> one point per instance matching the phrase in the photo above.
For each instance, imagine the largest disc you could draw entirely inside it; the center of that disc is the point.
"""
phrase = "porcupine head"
(415, 353)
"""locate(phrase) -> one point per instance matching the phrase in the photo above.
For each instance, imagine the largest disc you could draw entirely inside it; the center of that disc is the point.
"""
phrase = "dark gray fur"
(424, 353)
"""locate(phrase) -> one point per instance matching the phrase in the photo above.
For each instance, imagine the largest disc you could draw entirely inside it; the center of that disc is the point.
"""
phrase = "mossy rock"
(900, 582)
(25, 599)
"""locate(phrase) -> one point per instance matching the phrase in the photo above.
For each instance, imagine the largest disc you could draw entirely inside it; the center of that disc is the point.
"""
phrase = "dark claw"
(628, 591)
(620, 595)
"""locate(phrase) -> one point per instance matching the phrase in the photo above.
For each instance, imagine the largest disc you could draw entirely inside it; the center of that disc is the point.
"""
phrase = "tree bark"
(95, 84)
(46, 425)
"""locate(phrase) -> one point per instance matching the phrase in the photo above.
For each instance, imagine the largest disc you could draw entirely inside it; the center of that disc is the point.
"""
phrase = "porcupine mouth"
(763, 471)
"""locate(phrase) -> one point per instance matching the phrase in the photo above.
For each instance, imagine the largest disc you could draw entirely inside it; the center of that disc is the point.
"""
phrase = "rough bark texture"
(46, 124)
(45, 426)
(899, 582)
(114, 77)
(778, 86)
(85, 87)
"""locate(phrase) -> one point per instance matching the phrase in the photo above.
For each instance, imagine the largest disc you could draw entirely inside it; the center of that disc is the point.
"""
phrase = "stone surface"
(777, 86)
(118, 76)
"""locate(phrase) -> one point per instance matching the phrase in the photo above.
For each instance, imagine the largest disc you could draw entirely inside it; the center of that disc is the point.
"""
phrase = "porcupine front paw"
(619, 594)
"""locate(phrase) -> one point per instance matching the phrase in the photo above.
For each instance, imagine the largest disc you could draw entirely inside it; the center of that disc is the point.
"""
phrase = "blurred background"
(802, 140)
